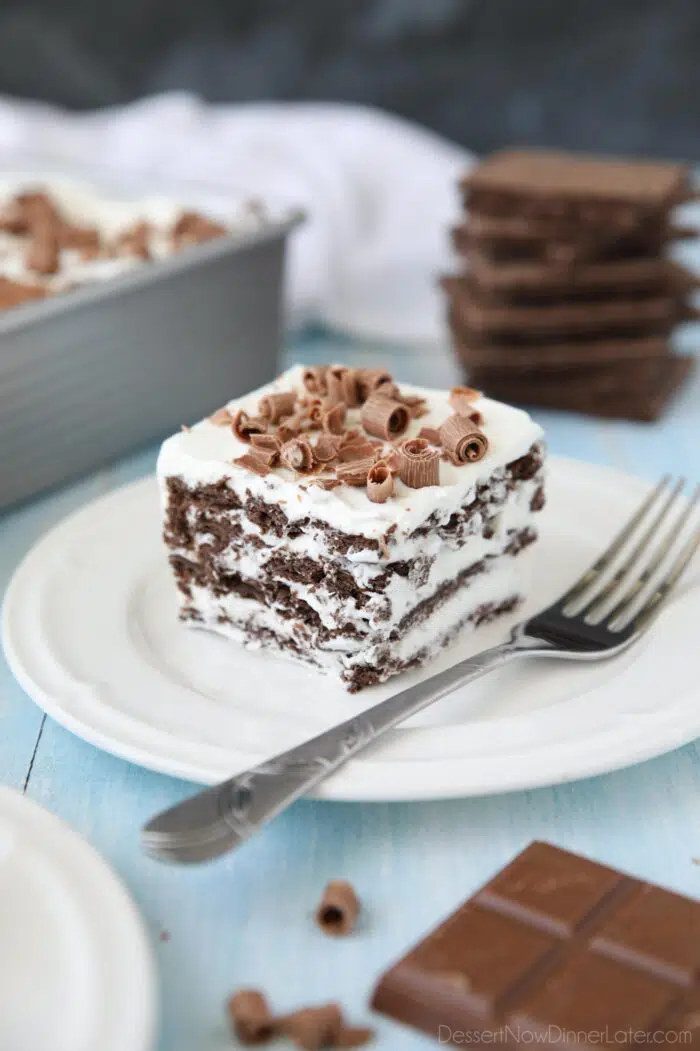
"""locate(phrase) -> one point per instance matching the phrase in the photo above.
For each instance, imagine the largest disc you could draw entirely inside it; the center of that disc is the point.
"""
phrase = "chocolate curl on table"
(369, 381)
(44, 252)
(253, 462)
(461, 400)
(342, 385)
(312, 1028)
(420, 464)
(274, 407)
(333, 418)
(135, 241)
(193, 228)
(326, 448)
(250, 1018)
(380, 483)
(463, 440)
(298, 455)
(314, 379)
(244, 426)
(339, 906)
(384, 418)
(354, 473)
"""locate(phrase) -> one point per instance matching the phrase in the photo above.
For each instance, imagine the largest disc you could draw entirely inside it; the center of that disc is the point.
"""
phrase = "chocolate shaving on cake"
(193, 228)
(358, 450)
(414, 403)
(298, 455)
(420, 464)
(253, 463)
(431, 434)
(270, 457)
(325, 449)
(326, 483)
(462, 440)
(393, 460)
(13, 293)
(354, 473)
(135, 241)
(380, 482)
(342, 384)
(384, 417)
(250, 1017)
(286, 431)
(354, 1036)
(314, 379)
(244, 426)
(79, 238)
(476, 417)
(333, 419)
(43, 255)
(266, 441)
(38, 209)
(371, 380)
(461, 399)
(14, 218)
(221, 418)
(312, 1028)
(274, 407)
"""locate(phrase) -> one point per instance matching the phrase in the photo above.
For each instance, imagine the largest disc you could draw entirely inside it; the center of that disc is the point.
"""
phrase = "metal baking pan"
(92, 373)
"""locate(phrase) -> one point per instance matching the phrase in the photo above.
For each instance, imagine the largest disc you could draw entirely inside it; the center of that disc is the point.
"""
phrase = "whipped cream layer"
(204, 455)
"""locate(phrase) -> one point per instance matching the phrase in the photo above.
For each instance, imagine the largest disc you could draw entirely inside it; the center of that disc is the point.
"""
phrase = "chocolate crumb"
(354, 1036)
(339, 907)
(253, 463)
(312, 1028)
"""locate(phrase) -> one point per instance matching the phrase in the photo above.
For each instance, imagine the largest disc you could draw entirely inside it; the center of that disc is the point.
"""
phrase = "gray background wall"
(612, 75)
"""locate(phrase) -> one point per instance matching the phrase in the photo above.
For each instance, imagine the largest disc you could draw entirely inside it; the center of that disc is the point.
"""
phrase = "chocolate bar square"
(559, 950)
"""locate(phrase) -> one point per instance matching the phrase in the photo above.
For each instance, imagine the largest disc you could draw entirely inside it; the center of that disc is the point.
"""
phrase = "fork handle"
(218, 819)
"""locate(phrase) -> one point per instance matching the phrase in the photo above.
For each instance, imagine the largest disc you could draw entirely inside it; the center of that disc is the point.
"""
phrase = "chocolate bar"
(556, 950)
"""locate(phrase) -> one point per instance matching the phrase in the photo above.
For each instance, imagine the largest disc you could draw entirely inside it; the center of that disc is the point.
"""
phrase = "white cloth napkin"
(380, 192)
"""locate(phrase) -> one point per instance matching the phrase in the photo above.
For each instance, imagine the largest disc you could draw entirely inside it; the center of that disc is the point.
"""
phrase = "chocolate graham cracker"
(633, 391)
(553, 949)
(519, 357)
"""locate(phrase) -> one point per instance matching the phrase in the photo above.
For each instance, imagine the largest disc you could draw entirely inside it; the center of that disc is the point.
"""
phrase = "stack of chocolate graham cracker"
(567, 297)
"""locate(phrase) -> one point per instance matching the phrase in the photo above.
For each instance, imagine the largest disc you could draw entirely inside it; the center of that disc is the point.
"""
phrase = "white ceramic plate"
(90, 631)
(76, 971)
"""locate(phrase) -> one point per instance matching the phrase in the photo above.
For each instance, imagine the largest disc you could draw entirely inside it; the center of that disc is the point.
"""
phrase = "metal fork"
(605, 612)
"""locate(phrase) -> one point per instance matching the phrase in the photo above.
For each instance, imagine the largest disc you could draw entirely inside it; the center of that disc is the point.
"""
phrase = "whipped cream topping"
(204, 455)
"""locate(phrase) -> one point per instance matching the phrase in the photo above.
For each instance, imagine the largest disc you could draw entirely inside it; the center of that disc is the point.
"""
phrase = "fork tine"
(660, 552)
(597, 601)
(607, 557)
(653, 605)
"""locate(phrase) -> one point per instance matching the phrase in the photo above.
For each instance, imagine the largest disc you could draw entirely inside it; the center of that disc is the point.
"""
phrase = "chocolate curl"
(370, 380)
(135, 241)
(414, 403)
(333, 419)
(44, 252)
(420, 464)
(342, 385)
(274, 406)
(250, 1018)
(384, 418)
(253, 462)
(38, 209)
(270, 457)
(325, 449)
(193, 228)
(354, 473)
(431, 434)
(461, 399)
(269, 442)
(13, 218)
(298, 455)
(13, 293)
(326, 483)
(393, 460)
(354, 1036)
(285, 432)
(464, 442)
(312, 1028)
(350, 451)
(221, 418)
(245, 426)
(339, 906)
(380, 484)
(314, 379)
(79, 238)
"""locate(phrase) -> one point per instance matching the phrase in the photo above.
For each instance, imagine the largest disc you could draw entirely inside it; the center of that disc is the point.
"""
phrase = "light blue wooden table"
(246, 919)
